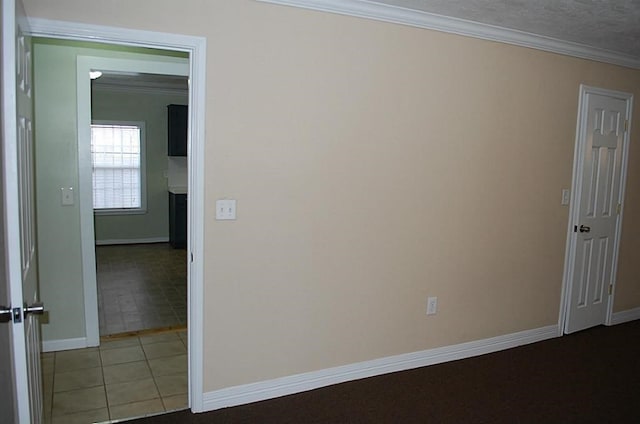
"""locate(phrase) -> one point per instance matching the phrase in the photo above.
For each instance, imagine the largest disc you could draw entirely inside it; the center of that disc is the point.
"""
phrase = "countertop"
(178, 189)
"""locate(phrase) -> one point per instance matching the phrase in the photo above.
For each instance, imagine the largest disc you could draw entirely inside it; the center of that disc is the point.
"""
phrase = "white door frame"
(574, 206)
(196, 48)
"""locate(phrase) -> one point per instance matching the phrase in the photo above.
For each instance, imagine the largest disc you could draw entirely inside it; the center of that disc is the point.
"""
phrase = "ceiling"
(612, 25)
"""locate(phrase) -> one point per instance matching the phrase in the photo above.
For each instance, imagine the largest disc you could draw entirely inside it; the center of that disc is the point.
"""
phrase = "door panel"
(7, 387)
(18, 198)
(599, 190)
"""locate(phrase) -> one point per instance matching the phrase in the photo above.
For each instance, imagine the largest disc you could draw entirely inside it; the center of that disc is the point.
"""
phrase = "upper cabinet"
(177, 130)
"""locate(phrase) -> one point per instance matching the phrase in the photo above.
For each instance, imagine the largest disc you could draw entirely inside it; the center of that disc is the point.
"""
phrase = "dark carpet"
(588, 377)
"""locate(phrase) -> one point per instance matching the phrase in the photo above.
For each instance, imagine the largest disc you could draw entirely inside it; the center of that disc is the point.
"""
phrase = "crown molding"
(415, 18)
(140, 89)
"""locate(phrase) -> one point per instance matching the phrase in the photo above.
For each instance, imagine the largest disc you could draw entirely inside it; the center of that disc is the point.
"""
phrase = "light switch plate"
(66, 194)
(225, 209)
(566, 194)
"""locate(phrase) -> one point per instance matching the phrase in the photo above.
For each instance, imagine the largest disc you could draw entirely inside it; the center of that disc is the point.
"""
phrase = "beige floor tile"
(130, 371)
(169, 365)
(133, 391)
(170, 385)
(94, 416)
(71, 380)
(175, 402)
(122, 355)
(118, 343)
(47, 362)
(65, 403)
(184, 337)
(46, 405)
(162, 349)
(47, 395)
(71, 360)
(47, 383)
(136, 409)
(161, 337)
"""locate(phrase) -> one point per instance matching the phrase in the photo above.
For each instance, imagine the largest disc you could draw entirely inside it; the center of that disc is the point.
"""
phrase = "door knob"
(584, 229)
(36, 308)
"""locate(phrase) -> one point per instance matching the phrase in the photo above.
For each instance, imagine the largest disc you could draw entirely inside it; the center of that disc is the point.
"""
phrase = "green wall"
(152, 109)
(56, 156)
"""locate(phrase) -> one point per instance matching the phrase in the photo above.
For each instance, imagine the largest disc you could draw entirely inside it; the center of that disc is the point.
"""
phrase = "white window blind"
(116, 158)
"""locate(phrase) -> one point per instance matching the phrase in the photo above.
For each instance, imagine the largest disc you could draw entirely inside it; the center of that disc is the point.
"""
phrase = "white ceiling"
(612, 25)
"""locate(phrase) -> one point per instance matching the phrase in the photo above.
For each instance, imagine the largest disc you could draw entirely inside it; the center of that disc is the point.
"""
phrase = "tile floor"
(123, 378)
(141, 287)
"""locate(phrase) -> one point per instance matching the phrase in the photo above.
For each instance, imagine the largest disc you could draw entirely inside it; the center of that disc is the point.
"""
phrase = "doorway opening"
(159, 353)
(141, 268)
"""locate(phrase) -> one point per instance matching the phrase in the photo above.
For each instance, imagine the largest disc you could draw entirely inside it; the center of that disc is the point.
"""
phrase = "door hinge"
(626, 125)
(618, 208)
(610, 289)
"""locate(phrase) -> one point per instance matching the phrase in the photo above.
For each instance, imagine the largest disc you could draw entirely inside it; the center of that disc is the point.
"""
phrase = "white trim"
(269, 389)
(625, 316)
(64, 344)
(39, 27)
(626, 141)
(574, 208)
(567, 273)
(196, 47)
(195, 221)
(147, 240)
(399, 15)
(137, 89)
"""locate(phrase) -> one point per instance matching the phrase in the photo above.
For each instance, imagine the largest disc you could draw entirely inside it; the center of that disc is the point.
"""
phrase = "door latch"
(7, 314)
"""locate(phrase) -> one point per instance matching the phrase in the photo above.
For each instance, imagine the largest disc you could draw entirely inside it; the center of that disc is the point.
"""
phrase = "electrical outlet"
(432, 305)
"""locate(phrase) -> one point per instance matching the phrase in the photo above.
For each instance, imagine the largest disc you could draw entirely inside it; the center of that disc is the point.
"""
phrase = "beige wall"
(374, 165)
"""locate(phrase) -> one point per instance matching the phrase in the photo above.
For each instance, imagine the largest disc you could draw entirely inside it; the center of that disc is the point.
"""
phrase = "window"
(117, 157)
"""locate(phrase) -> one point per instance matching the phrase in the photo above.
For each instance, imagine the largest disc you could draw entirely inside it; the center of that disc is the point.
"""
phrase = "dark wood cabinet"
(177, 129)
(177, 220)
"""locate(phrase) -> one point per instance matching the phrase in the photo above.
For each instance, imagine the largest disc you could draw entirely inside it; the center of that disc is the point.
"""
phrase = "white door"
(598, 188)
(18, 219)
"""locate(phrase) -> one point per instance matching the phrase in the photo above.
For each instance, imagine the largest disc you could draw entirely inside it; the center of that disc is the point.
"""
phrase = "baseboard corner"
(625, 316)
(64, 344)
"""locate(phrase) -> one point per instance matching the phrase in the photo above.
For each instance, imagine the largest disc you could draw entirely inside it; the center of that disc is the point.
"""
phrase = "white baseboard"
(247, 393)
(64, 344)
(625, 316)
(133, 241)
